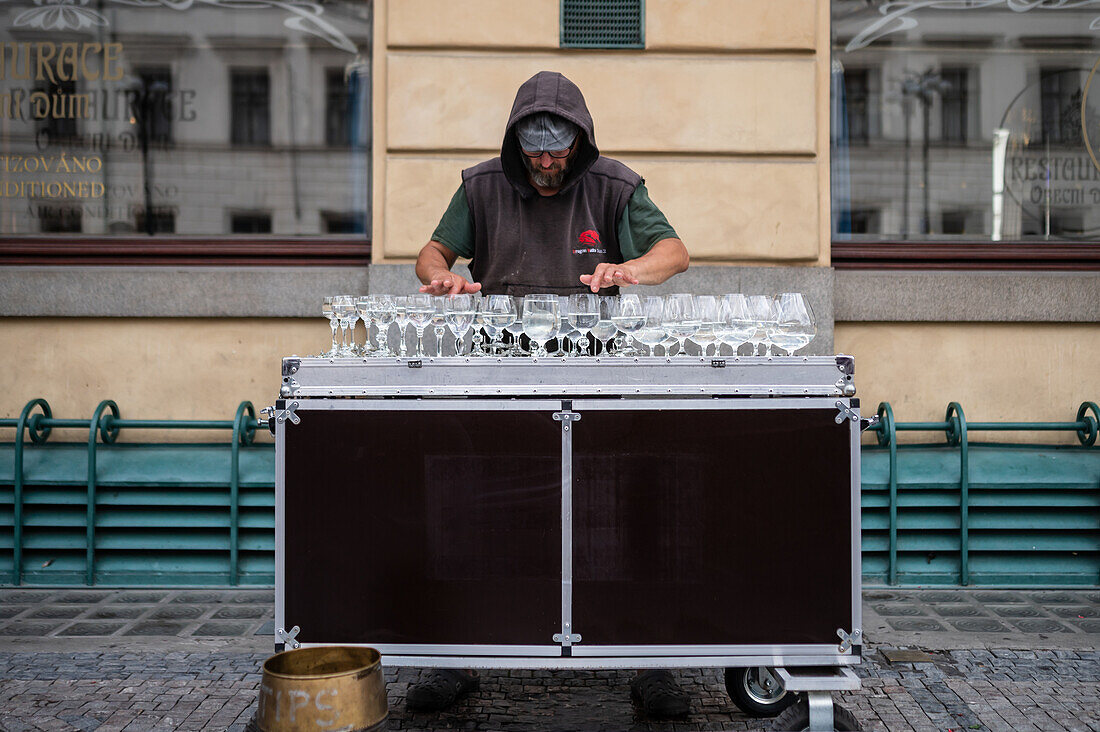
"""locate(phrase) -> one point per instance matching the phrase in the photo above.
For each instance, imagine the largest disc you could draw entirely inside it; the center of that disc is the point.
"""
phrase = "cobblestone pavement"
(190, 660)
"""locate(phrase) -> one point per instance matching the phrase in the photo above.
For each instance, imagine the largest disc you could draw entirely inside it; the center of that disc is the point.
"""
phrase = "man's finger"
(457, 287)
(473, 286)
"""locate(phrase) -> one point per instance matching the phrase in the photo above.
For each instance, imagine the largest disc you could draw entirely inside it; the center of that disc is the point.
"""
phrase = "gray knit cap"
(545, 131)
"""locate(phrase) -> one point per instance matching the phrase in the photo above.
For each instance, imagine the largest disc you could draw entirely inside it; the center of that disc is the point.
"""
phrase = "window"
(59, 219)
(58, 125)
(162, 221)
(960, 222)
(858, 91)
(975, 136)
(186, 122)
(250, 222)
(337, 109)
(954, 99)
(343, 222)
(1060, 106)
(250, 105)
(866, 221)
(152, 108)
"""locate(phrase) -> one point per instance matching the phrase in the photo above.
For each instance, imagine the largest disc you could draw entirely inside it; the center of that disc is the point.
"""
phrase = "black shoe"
(439, 689)
(658, 694)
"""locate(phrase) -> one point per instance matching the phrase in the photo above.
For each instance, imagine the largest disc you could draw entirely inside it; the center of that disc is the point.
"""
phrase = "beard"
(546, 178)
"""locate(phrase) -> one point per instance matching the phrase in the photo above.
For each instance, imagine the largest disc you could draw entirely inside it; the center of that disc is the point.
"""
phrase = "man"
(550, 215)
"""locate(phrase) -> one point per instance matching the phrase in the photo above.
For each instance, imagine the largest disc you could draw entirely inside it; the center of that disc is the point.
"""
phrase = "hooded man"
(550, 214)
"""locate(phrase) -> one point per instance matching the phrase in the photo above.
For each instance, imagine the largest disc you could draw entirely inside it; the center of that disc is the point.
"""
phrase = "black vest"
(526, 244)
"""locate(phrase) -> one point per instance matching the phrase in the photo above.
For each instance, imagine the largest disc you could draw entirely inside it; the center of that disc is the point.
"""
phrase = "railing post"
(1087, 435)
(956, 435)
(100, 423)
(243, 432)
(888, 436)
(31, 423)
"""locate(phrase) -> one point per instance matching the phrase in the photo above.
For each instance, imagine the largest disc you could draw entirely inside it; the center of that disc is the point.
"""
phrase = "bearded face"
(547, 171)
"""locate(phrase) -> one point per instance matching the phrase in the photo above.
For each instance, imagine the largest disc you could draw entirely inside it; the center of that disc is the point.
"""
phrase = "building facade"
(182, 182)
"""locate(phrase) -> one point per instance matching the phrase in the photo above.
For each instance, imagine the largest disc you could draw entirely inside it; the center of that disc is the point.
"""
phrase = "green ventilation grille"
(602, 24)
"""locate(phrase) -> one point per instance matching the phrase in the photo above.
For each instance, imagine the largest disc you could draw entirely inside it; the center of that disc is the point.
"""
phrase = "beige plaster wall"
(767, 210)
(725, 113)
(670, 24)
(706, 105)
(152, 368)
(998, 372)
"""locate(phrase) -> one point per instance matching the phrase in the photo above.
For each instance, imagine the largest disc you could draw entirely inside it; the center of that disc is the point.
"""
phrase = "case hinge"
(288, 637)
(847, 640)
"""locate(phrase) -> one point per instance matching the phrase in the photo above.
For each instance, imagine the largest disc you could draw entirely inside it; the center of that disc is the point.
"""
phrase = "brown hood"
(548, 91)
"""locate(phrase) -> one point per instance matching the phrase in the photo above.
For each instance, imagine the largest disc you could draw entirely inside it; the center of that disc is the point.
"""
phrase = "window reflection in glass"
(966, 121)
(123, 118)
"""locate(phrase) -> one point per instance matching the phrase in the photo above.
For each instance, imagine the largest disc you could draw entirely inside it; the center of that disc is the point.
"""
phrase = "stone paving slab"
(120, 613)
(53, 676)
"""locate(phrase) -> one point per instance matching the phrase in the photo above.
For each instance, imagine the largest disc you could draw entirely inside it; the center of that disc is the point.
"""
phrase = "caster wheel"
(758, 691)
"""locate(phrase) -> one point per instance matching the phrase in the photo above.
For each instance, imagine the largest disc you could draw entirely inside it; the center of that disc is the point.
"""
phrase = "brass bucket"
(322, 688)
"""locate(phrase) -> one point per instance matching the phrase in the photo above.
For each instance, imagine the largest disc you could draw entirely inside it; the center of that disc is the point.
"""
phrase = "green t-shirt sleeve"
(456, 229)
(642, 225)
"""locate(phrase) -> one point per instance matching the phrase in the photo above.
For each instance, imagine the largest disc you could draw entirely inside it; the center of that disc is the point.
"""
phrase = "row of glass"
(783, 321)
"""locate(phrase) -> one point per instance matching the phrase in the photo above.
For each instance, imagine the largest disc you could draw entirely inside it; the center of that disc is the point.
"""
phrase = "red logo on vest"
(590, 237)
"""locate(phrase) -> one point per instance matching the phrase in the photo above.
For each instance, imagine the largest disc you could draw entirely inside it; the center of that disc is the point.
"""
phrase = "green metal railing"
(106, 423)
(957, 430)
(100, 511)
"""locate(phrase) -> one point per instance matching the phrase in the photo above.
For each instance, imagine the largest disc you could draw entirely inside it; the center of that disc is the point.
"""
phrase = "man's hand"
(449, 283)
(610, 275)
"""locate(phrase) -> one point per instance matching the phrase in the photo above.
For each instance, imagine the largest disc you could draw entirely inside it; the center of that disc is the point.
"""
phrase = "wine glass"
(584, 313)
(541, 320)
(459, 315)
(736, 324)
(333, 323)
(401, 317)
(707, 307)
(629, 318)
(760, 308)
(565, 330)
(516, 330)
(795, 325)
(681, 318)
(363, 306)
(477, 339)
(498, 312)
(604, 329)
(439, 322)
(344, 307)
(383, 313)
(419, 309)
(652, 331)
